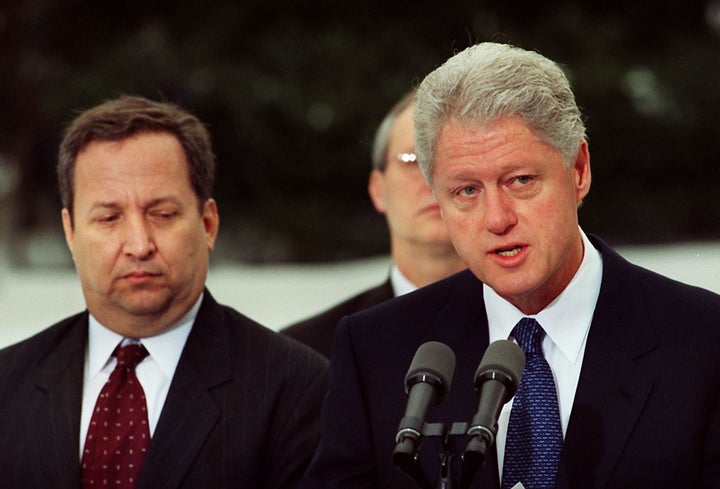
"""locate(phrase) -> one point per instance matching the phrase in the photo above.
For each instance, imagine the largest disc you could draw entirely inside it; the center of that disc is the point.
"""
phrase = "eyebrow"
(151, 203)
(103, 205)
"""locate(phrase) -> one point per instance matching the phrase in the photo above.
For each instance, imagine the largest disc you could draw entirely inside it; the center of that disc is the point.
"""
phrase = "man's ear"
(68, 228)
(376, 190)
(581, 169)
(211, 222)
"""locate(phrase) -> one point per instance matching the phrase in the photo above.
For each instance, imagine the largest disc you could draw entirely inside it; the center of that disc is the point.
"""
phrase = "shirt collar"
(567, 319)
(400, 284)
(165, 348)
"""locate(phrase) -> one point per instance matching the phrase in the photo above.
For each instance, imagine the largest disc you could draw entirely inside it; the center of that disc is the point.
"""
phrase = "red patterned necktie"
(118, 436)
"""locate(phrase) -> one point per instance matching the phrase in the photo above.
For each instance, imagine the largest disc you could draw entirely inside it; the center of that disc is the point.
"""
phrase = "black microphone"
(496, 381)
(426, 384)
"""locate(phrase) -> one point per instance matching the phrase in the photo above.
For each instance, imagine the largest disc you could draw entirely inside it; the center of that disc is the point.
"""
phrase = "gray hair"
(382, 135)
(488, 81)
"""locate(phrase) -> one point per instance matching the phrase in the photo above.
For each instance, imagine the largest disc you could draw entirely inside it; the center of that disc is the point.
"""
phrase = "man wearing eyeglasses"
(620, 382)
(419, 243)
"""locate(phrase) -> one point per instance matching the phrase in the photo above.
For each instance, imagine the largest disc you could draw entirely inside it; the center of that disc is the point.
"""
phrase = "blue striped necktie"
(534, 439)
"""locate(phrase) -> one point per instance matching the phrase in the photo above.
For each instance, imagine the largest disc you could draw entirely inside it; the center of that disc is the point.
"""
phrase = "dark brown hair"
(125, 117)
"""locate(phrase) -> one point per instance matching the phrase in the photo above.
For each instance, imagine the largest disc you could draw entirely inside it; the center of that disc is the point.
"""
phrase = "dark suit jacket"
(646, 412)
(318, 331)
(242, 410)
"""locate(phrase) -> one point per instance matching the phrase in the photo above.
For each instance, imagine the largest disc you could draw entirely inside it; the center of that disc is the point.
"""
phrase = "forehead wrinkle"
(498, 141)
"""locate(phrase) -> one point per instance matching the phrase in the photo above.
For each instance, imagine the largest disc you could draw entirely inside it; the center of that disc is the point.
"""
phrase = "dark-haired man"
(155, 385)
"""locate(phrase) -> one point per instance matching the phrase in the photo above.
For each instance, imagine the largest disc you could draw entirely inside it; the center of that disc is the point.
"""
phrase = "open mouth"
(509, 252)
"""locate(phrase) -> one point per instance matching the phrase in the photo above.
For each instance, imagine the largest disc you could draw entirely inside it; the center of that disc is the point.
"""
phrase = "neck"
(424, 264)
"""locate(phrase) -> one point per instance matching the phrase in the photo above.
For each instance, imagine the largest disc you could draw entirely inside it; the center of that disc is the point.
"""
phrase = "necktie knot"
(129, 356)
(529, 335)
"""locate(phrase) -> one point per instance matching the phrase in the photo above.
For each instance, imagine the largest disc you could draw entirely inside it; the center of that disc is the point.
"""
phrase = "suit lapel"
(189, 413)
(612, 389)
(463, 325)
(53, 415)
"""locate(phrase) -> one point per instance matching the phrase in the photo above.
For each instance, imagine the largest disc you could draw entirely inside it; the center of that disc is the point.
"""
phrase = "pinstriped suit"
(241, 411)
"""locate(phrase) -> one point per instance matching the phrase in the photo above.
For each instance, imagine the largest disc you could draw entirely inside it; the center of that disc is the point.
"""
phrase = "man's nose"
(500, 214)
(138, 238)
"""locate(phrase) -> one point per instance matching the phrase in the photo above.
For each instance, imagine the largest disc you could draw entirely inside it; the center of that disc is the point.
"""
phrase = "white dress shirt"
(400, 284)
(566, 321)
(154, 373)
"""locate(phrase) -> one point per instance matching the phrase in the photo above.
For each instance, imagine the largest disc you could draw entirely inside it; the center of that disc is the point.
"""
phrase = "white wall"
(276, 295)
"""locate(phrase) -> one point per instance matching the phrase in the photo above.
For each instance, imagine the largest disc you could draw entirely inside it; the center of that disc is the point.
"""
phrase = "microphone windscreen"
(433, 358)
(502, 356)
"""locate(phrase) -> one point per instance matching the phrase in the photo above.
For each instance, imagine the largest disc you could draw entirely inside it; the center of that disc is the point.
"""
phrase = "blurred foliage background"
(292, 92)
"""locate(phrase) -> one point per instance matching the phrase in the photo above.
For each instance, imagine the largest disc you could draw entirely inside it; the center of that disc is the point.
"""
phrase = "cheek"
(561, 212)
(88, 252)
(460, 231)
(94, 265)
(462, 220)
(189, 245)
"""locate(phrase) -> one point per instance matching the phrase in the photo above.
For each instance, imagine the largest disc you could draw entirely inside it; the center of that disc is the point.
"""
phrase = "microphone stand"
(405, 453)
(405, 456)
(446, 480)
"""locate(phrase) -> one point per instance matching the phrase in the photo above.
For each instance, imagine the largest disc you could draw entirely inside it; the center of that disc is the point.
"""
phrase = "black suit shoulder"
(273, 349)
(643, 310)
(318, 331)
(422, 311)
(43, 340)
(18, 359)
(40, 398)
(662, 297)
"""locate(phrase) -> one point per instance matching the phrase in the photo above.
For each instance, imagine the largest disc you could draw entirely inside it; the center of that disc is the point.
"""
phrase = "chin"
(149, 304)
(508, 287)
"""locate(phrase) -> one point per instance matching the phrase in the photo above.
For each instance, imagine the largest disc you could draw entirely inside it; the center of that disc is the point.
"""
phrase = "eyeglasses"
(407, 157)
